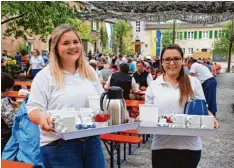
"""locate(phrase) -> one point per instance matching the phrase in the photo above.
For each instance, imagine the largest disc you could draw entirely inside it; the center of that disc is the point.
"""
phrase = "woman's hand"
(45, 122)
(216, 123)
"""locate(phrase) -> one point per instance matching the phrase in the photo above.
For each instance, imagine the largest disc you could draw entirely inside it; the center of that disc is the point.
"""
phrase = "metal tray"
(96, 131)
(177, 131)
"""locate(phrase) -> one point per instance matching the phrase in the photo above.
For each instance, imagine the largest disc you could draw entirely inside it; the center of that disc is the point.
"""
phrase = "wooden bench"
(114, 141)
(134, 132)
(12, 164)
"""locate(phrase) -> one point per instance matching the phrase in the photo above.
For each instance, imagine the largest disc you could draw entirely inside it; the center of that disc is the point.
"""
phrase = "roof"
(197, 12)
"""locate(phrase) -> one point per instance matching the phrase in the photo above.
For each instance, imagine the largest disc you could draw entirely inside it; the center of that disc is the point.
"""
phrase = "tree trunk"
(230, 47)
(173, 33)
(121, 45)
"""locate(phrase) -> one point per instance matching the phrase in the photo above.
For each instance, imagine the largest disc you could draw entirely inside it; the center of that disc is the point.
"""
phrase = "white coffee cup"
(193, 120)
(178, 125)
(207, 122)
(179, 119)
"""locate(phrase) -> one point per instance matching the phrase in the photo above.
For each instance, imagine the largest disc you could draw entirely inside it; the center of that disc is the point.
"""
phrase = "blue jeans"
(74, 154)
(34, 72)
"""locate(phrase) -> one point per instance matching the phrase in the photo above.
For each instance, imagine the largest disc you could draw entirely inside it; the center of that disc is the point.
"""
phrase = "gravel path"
(218, 151)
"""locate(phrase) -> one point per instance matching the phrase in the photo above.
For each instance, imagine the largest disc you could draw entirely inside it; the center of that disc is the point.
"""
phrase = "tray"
(96, 131)
(177, 131)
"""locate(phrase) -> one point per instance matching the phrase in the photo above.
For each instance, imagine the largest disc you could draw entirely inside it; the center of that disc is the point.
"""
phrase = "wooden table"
(20, 83)
(11, 164)
(133, 107)
(14, 94)
(134, 103)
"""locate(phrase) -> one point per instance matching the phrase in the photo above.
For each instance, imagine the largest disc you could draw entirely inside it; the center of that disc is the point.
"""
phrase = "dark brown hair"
(38, 52)
(184, 83)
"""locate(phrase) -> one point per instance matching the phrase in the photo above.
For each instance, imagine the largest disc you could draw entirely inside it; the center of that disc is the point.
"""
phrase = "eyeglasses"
(175, 60)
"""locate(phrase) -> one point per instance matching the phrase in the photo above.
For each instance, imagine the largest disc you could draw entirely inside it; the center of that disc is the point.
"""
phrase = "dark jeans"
(74, 154)
(34, 72)
(173, 158)
(209, 89)
(4, 140)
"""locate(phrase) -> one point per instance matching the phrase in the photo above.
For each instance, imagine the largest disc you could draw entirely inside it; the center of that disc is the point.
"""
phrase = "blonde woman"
(68, 80)
(36, 63)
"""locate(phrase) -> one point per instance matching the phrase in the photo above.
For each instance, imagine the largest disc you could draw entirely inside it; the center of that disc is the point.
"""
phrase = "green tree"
(104, 37)
(222, 44)
(23, 49)
(34, 18)
(82, 27)
(120, 30)
(167, 38)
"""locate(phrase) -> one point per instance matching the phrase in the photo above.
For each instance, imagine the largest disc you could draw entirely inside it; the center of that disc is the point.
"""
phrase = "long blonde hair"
(55, 63)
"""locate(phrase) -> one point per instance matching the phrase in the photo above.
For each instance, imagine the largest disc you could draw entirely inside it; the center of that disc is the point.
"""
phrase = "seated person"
(123, 80)
(142, 77)
(106, 72)
(93, 63)
(7, 110)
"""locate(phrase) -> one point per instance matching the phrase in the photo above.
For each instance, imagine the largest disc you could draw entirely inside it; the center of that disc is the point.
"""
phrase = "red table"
(11, 164)
(133, 107)
(134, 103)
(14, 94)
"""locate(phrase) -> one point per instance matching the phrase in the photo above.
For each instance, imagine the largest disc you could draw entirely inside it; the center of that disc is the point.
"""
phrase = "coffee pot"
(114, 105)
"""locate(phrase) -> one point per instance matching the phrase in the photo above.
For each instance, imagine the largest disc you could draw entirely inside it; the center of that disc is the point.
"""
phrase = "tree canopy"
(34, 17)
(121, 32)
(221, 45)
(167, 38)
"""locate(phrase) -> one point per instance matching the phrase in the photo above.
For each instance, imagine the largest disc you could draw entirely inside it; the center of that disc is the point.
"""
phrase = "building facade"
(191, 37)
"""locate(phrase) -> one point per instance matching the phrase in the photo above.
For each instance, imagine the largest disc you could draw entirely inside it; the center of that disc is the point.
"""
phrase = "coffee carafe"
(114, 105)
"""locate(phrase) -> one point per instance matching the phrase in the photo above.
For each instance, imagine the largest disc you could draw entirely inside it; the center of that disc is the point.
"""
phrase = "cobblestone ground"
(218, 151)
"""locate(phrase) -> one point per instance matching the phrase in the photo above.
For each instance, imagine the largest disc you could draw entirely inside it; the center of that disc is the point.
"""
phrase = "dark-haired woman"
(170, 92)
(7, 111)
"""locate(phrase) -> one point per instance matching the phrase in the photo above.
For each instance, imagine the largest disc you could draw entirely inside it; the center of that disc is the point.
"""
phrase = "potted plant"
(23, 49)
(11, 67)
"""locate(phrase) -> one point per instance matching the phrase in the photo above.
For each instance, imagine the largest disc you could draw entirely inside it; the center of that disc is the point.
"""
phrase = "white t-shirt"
(45, 95)
(167, 98)
(37, 62)
(201, 72)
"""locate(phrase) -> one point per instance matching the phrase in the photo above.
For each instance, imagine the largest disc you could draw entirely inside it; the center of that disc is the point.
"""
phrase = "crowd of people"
(168, 81)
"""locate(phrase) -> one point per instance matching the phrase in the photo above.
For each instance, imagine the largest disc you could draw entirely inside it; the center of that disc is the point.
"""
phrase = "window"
(177, 35)
(183, 49)
(138, 23)
(205, 35)
(190, 35)
(138, 29)
(190, 51)
(138, 26)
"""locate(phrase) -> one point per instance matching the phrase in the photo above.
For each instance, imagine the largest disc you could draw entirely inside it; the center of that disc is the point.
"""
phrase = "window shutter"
(227, 32)
(181, 35)
(200, 34)
(215, 34)
(211, 34)
(185, 35)
(92, 24)
(195, 35)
